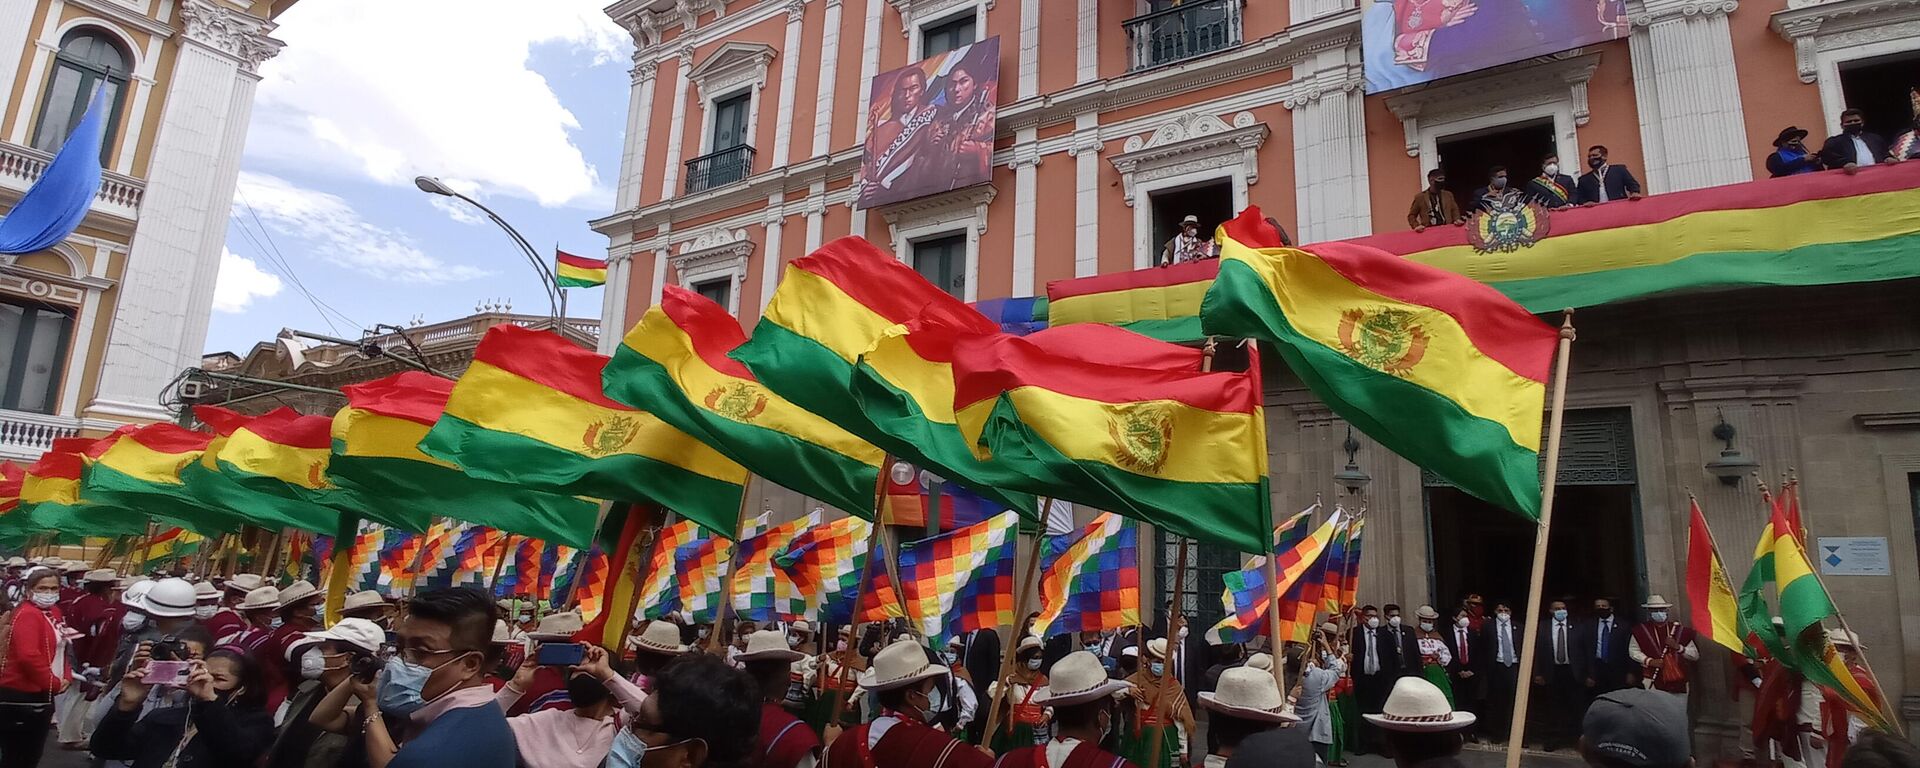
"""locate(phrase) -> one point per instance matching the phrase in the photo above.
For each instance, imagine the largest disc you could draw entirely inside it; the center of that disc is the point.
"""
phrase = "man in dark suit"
(1499, 649)
(1400, 640)
(1375, 667)
(1604, 640)
(1559, 674)
(1606, 182)
(1466, 666)
(1551, 189)
(1855, 146)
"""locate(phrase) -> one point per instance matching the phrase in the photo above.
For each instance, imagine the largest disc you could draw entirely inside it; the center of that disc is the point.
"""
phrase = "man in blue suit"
(1606, 182)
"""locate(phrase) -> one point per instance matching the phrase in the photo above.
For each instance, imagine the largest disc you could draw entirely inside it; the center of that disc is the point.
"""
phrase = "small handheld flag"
(570, 271)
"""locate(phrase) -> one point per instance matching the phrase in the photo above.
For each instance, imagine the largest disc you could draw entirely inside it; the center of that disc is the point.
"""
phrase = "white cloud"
(457, 210)
(332, 229)
(391, 90)
(240, 282)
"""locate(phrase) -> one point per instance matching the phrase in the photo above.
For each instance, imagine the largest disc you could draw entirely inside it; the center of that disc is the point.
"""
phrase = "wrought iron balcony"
(1182, 32)
(720, 168)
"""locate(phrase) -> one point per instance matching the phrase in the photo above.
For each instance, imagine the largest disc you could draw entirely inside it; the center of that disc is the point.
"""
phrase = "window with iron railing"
(720, 168)
(1179, 31)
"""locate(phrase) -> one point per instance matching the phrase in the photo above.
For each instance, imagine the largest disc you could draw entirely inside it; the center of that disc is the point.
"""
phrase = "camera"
(168, 648)
(364, 666)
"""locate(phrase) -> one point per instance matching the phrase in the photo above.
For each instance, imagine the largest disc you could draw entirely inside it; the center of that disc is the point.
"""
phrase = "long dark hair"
(253, 689)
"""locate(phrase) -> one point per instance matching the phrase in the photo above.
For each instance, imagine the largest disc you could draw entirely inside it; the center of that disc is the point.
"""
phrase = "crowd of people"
(174, 671)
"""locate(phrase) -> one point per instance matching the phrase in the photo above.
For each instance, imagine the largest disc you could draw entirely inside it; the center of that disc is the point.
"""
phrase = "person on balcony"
(1855, 146)
(1907, 147)
(1434, 206)
(1606, 182)
(1790, 156)
(1551, 189)
(1187, 245)
(1498, 192)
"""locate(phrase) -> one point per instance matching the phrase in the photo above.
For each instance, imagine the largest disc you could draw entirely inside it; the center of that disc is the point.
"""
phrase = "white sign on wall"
(1852, 556)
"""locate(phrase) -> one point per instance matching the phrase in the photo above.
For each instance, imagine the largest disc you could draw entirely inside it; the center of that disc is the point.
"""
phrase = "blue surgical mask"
(1158, 668)
(275, 623)
(1560, 615)
(401, 685)
(627, 752)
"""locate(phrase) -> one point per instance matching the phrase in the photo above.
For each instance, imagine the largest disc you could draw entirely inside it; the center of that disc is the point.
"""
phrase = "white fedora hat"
(660, 637)
(100, 574)
(243, 582)
(1076, 679)
(769, 645)
(899, 665)
(365, 598)
(1843, 637)
(1157, 648)
(204, 591)
(1249, 692)
(261, 598)
(1416, 705)
(1030, 643)
(1656, 601)
(297, 591)
(800, 625)
(562, 624)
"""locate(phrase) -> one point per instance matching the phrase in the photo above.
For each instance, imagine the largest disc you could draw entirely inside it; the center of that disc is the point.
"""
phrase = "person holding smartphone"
(582, 736)
(223, 722)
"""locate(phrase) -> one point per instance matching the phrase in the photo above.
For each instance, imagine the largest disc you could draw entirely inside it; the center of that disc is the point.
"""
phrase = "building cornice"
(1812, 25)
(1650, 12)
(124, 15)
(231, 32)
(1496, 91)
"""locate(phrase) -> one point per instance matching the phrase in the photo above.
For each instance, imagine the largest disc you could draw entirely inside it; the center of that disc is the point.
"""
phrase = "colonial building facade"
(1118, 118)
(95, 328)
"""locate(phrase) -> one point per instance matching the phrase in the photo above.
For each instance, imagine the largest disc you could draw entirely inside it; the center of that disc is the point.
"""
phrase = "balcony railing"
(25, 435)
(1182, 32)
(720, 168)
(119, 194)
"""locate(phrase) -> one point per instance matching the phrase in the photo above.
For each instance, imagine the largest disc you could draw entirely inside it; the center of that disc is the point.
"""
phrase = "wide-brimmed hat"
(1656, 601)
(202, 591)
(55, 563)
(1790, 133)
(1251, 693)
(1029, 643)
(1426, 612)
(365, 598)
(1843, 637)
(899, 665)
(1076, 679)
(74, 566)
(260, 599)
(662, 637)
(1417, 705)
(501, 632)
(100, 574)
(562, 624)
(359, 633)
(16, 562)
(243, 582)
(297, 591)
(1328, 626)
(769, 645)
(800, 626)
(1157, 648)
(1190, 219)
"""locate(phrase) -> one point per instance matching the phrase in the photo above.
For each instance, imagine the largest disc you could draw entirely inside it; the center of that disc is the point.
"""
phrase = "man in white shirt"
(1560, 667)
(1499, 649)
(1854, 146)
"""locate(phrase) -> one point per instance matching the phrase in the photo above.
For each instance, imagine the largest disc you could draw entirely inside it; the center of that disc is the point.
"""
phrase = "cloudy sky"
(520, 105)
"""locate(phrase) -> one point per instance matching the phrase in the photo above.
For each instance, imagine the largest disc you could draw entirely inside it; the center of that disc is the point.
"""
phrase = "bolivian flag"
(529, 412)
(50, 492)
(375, 452)
(11, 477)
(144, 470)
(1712, 608)
(674, 364)
(1177, 447)
(170, 546)
(1440, 369)
(270, 469)
(570, 271)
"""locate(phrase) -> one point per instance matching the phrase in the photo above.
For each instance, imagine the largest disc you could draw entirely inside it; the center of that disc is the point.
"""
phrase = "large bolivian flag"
(529, 412)
(376, 452)
(1440, 369)
(144, 469)
(1177, 447)
(50, 492)
(1712, 609)
(270, 470)
(674, 364)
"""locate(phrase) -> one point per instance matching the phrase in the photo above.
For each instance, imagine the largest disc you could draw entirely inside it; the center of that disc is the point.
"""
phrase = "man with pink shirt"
(579, 737)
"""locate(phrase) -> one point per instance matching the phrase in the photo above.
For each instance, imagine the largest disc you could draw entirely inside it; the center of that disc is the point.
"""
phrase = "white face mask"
(1373, 622)
(1394, 620)
(46, 600)
(1033, 663)
(1426, 626)
(204, 612)
(132, 622)
(1464, 621)
(312, 663)
(1659, 617)
(1505, 617)
(1552, 169)
(1183, 633)
(794, 641)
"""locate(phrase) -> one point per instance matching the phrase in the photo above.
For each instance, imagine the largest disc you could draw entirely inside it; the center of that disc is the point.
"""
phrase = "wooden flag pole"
(506, 551)
(860, 587)
(146, 547)
(1276, 646)
(1536, 583)
(1159, 707)
(994, 710)
(723, 617)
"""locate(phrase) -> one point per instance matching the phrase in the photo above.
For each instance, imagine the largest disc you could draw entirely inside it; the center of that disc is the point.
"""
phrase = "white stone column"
(1085, 151)
(1029, 51)
(16, 19)
(613, 296)
(670, 186)
(869, 66)
(1329, 153)
(633, 160)
(1693, 128)
(1088, 38)
(775, 222)
(829, 81)
(789, 79)
(1026, 208)
(166, 291)
(816, 214)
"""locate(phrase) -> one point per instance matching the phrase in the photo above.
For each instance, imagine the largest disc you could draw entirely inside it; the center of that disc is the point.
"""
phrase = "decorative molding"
(1191, 142)
(962, 207)
(1684, 393)
(1884, 421)
(1815, 26)
(730, 66)
(231, 32)
(644, 69)
(1306, 90)
(124, 15)
(1543, 80)
(714, 253)
(920, 9)
(1651, 12)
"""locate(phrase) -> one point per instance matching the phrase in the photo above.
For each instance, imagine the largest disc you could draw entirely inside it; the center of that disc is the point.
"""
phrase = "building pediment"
(1823, 25)
(1562, 77)
(1188, 143)
(731, 66)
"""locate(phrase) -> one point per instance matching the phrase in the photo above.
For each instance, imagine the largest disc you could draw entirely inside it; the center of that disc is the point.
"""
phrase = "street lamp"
(1352, 477)
(1732, 463)
(434, 186)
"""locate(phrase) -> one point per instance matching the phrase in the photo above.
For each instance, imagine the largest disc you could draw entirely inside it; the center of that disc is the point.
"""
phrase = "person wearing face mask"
(223, 722)
(1186, 245)
(1434, 206)
(831, 681)
(370, 605)
(784, 741)
(804, 680)
(1405, 651)
(959, 705)
(548, 687)
(582, 736)
(1156, 703)
(1497, 653)
(436, 686)
(1498, 193)
(1854, 146)
(1082, 699)
(1375, 665)
(300, 613)
(1559, 675)
(1604, 639)
(85, 615)
(697, 716)
(1551, 189)
(1465, 668)
(741, 631)
(901, 681)
(1663, 649)
(1606, 182)
(227, 619)
(1432, 651)
(1023, 723)
(35, 669)
(309, 733)
(1790, 156)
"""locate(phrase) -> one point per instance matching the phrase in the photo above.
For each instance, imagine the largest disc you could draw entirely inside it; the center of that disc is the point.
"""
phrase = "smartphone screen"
(172, 673)
(560, 654)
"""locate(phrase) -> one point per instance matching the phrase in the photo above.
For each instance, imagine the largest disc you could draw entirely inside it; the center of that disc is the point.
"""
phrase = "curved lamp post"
(434, 186)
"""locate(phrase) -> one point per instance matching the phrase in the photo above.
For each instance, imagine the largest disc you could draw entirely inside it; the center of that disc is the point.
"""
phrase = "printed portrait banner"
(1409, 42)
(930, 125)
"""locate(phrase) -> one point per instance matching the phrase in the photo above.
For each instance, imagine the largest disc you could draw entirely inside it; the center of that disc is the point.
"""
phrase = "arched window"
(88, 58)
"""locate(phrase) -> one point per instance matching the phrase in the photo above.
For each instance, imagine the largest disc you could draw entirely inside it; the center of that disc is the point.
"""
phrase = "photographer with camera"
(580, 737)
(221, 722)
(313, 734)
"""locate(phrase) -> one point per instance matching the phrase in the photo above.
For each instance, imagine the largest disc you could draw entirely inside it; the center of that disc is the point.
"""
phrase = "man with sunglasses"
(434, 688)
(701, 712)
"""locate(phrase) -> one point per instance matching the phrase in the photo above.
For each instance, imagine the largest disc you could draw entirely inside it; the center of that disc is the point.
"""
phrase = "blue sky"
(521, 105)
